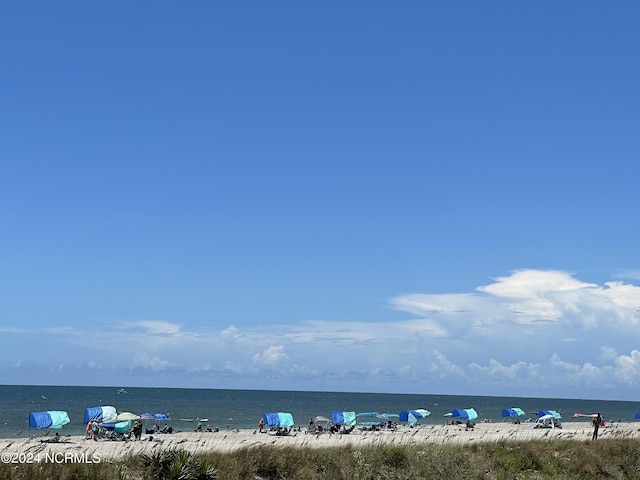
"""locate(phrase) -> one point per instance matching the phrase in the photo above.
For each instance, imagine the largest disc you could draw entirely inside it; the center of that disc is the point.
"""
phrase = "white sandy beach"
(19, 450)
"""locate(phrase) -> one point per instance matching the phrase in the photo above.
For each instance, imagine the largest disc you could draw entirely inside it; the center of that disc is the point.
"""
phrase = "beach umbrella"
(412, 416)
(146, 417)
(513, 412)
(105, 414)
(547, 419)
(637, 415)
(542, 413)
(320, 418)
(49, 419)
(368, 418)
(279, 419)
(388, 416)
(118, 427)
(161, 416)
(124, 416)
(465, 414)
(343, 418)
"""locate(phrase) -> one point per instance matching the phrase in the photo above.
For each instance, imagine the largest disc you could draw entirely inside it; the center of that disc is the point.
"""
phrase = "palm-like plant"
(176, 465)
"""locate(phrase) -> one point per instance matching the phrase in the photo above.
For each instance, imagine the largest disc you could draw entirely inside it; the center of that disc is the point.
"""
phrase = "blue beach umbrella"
(412, 416)
(278, 419)
(465, 414)
(343, 418)
(513, 412)
(161, 416)
(119, 427)
(555, 414)
(49, 419)
(105, 414)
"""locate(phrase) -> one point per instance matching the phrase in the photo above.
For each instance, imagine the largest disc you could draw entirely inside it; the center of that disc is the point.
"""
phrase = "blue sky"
(424, 197)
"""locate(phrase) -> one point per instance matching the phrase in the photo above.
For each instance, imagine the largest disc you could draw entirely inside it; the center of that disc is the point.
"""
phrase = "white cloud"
(527, 329)
(271, 355)
(628, 368)
(516, 371)
(154, 327)
(153, 363)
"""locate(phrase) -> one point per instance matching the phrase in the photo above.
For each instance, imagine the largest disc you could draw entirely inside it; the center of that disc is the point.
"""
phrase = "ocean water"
(244, 408)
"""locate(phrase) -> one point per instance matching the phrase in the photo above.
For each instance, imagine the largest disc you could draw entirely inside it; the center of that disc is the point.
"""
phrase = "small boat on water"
(194, 419)
(122, 390)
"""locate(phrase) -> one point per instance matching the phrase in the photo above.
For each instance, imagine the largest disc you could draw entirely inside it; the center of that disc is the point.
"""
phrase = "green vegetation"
(554, 459)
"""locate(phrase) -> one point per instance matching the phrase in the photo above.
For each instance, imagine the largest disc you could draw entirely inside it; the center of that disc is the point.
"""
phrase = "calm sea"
(244, 408)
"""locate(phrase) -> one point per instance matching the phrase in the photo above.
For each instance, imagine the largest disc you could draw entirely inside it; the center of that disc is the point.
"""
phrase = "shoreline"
(41, 447)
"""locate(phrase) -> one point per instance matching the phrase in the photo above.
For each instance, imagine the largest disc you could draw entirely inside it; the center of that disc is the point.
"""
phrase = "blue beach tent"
(637, 415)
(555, 414)
(119, 427)
(48, 419)
(412, 416)
(279, 419)
(513, 412)
(100, 414)
(368, 418)
(465, 414)
(343, 418)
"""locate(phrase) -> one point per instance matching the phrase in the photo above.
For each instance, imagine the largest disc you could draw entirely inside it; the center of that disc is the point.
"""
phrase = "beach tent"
(547, 421)
(368, 418)
(279, 419)
(161, 416)
(465, 414)
(101, 414)
(412, 416)
(388, 416)
(343, 418)
(48, 419)
(637, 415)
(542, 413)
(119, 427)
(513, 412)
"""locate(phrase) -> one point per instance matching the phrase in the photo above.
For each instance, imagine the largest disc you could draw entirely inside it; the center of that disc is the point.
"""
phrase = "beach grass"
(540, 459)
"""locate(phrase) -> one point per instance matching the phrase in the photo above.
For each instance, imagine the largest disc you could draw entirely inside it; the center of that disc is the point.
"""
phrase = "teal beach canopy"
(555, 414)
(343, 418)
(280, 419)
(100, 414)
(412, 416)
(513, 412)
(465, 414)
(120, 427)
(48, 419)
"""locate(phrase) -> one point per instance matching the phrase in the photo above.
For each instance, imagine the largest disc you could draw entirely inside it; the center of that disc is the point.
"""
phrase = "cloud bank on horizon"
(528, 333)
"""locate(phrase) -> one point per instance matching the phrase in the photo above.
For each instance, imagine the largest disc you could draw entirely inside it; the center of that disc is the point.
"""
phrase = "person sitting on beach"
(208, 429)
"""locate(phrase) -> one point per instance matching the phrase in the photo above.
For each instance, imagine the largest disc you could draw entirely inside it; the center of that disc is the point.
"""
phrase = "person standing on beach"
(597, 420)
